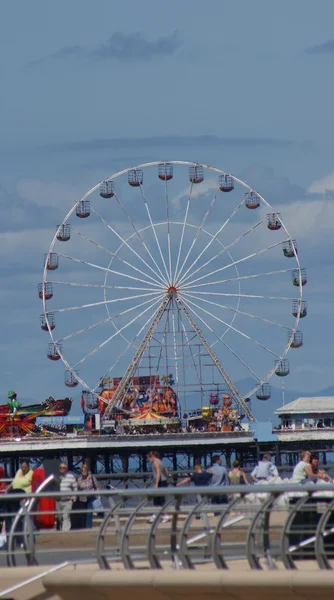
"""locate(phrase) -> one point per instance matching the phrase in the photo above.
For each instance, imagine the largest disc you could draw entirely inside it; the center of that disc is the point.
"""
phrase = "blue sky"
(91, 88)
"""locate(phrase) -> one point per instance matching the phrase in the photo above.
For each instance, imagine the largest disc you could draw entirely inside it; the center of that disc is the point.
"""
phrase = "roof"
(315, 404)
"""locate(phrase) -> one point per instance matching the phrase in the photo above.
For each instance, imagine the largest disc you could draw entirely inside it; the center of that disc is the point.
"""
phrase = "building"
(306, 419)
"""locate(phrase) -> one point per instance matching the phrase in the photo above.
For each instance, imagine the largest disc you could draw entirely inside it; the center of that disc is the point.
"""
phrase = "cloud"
(325, 48)
(135, 46)
(321, 186)
(66, 52)
(20, 212)
(120, 46)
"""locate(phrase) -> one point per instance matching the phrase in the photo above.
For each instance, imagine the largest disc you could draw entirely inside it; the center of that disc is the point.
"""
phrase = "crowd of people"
(74, 510)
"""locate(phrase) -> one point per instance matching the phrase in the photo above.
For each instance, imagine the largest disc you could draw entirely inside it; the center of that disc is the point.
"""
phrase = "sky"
(90, 88)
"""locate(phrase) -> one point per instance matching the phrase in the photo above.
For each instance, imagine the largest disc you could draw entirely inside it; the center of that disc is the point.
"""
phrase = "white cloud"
(308, 219)
(197, 190)
(49, 194)
(320, 186)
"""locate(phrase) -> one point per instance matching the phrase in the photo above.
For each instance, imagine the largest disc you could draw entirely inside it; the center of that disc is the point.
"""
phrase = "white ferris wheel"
(176, 269)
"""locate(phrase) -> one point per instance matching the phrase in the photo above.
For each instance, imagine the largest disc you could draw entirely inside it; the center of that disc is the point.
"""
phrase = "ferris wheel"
(176, 269)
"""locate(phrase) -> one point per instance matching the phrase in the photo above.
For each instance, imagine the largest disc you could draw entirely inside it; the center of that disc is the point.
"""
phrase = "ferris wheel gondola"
(163, 268)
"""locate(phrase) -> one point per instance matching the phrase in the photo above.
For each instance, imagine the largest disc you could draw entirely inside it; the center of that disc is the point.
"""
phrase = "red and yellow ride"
(17, 420)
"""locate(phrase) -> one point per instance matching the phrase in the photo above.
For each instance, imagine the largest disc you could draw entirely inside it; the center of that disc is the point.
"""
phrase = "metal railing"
(268, 526)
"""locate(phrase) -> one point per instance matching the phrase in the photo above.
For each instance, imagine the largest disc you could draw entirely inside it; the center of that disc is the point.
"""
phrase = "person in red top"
(2, 482)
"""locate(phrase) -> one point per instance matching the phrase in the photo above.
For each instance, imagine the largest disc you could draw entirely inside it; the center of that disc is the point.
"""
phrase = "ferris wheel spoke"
(192, 355)
(249, 369)
(169, 245)
(104, 302)
(155, 235)
(225, 249)
(115, 255)
(213, 238)
(107, 287)
(158, 275)
(118, 331)
(199, 229)
(220, 338)
(229, 326)
(107, 270)
(232, 264)
(83, 330)
(256, 296)
(243, 277)
(138, 234)
(126, 349)
(182, 233)
(236, 311)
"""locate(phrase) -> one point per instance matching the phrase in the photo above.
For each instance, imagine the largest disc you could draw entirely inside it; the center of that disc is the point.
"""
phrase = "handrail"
(265, 524)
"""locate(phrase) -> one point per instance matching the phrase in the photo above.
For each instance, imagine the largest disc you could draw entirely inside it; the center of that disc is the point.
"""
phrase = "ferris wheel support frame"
(124, 383)
(172, 294)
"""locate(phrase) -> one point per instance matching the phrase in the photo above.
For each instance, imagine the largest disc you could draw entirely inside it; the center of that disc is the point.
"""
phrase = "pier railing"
(268, 526)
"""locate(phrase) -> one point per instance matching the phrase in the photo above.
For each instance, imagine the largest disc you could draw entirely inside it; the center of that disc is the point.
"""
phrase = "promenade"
(273, 539)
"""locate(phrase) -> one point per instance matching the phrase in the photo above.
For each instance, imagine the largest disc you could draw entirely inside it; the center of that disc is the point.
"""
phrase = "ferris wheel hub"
(172, 291)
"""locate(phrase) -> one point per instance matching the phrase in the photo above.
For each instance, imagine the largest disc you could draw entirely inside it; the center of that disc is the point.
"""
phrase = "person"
(2, 479)
(160, 473)
(199, 477)
(219, 478)
(264, 470)
(317, 471)
(303, 470)
(21, 484)
(86, 482)
(68, 487)
(236, 476)
(2, 491)
(23, 478)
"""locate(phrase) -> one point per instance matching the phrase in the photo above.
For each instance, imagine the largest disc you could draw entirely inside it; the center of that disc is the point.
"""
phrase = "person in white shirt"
(68, 487)
(264, 470)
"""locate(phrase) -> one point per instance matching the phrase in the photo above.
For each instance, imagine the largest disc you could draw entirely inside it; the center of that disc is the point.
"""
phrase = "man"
(219, 478)
(68, 487)
(264, 470)
(160, 473)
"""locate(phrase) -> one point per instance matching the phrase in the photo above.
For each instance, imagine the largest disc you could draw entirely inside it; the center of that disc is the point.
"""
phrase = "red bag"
(46, 507)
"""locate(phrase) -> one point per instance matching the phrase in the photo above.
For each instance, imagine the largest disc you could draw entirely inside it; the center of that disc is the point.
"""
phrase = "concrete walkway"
(87, 581)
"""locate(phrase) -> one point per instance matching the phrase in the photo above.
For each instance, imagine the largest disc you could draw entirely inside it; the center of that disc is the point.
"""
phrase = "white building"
(306, 419)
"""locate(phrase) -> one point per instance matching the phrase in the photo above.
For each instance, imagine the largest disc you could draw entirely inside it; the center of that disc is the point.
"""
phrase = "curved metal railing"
(267, 526)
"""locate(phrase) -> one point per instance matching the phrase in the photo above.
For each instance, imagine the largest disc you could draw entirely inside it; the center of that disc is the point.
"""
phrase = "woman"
(86, 483)
(317, 471)
(23, 479)
(21, 484)
(236, 476)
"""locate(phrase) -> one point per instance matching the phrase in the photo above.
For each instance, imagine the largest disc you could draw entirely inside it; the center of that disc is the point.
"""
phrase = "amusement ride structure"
(176, 279)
